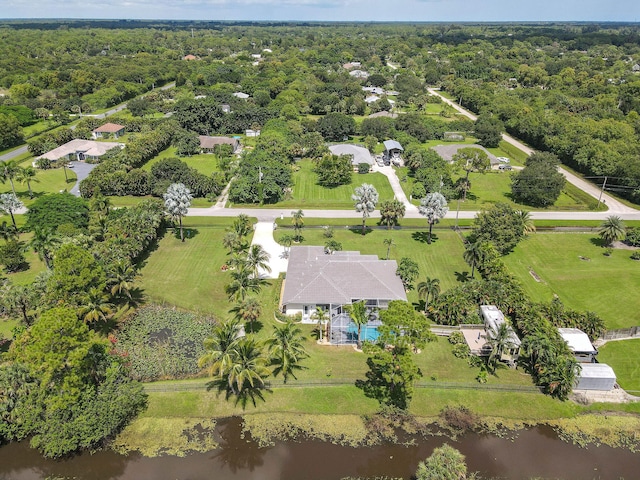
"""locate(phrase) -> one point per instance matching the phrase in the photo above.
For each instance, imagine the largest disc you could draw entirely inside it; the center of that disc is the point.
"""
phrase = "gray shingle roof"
(360, 154)
(448, 151)
(314, 277)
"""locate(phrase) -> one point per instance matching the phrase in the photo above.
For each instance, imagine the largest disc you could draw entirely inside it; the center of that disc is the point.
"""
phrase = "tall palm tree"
(219, 348)
(120, 279)
(248, 311)
(242, 225)
(258, 259)
(433, 207)
(389, 243)
(430, 288)
(43, 243)
(177, 201)
(612, 229)
(8, 231)
(100, 204)
(297, 221)
(286, 240)
(391, 212)
(358, 315)
(366, 199)
(320, 315)
(234, 242)
(286, 350)
(27, 175)
(95, 306)
(474, 254)
(9, 170)
(500, 338)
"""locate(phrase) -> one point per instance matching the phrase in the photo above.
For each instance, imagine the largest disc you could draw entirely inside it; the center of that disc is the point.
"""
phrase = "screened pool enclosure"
(342, 330)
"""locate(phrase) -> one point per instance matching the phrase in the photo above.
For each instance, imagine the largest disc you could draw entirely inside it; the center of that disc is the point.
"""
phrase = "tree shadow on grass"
(358, 230)
(423, 237)
(463, 277)
(598, 242)
(253, 327)
(189, 232)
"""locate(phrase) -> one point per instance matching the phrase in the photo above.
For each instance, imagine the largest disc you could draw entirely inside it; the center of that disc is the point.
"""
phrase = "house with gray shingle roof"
(334, 280)
(80, 150)
(447, 152)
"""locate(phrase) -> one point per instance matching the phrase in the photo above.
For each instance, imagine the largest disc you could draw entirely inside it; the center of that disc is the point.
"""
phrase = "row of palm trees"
(12, 171)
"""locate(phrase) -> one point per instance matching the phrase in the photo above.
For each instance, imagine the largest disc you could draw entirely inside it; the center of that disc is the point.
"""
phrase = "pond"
(534, 453)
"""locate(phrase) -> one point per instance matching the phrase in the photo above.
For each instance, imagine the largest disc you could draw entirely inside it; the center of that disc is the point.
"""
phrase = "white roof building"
(579, 343)
(79, 149)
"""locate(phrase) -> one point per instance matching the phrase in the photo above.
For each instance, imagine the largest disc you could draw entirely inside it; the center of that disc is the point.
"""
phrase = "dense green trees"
(336, 126)
(539, 184)
(10, 131)
(51, 211)
(334, 170)
(500, 225)
(61, 385)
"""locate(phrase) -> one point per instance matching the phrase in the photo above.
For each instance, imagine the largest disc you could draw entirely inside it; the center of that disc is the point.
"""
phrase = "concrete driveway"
(82, 170)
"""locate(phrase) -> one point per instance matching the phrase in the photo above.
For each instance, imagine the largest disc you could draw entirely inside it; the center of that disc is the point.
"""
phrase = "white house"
(81, 150)
(579, 344)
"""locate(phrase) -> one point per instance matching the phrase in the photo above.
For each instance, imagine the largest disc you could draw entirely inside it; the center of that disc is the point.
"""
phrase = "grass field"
(623, 357)
(49, 181)
(605, 285)
(308, 194)
(205, 163)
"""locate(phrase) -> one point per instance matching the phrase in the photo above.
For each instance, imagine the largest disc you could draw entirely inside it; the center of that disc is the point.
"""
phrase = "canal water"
(537, 452)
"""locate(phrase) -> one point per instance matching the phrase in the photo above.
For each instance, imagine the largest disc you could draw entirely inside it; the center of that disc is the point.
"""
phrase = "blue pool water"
(368, 333)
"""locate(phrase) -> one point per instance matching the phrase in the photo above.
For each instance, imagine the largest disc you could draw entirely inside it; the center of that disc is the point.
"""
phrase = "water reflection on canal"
(534, 453)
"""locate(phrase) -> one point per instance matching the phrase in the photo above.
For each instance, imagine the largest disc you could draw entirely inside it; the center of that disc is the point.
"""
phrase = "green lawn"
(206, 163)
(623, 357)
(308, 194)
(49, 181)
(605, 285)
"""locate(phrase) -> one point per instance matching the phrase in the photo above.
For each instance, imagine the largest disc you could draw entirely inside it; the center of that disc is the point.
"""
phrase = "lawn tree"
(286, 241)
(177, 201)
(258, 259)
(297, 220)
(27, 175)
(365, 198)
(391, 212)
(55, 209)
(219, 347)
(334, 170)
(10, 204)
(359, 316)
(445, 463)
(408, 270)
(44, 243)
(500, 225)
(470, 160)
(242, 283)
(540, 183)
(389, 243)
(247, 311)
(433, 207)
(474, 252)
(10, 170)
(286, 350)
(612, 230)
(429, 289)
(245, 374)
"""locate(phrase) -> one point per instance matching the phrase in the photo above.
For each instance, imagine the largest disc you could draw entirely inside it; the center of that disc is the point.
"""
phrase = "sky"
(330, 10)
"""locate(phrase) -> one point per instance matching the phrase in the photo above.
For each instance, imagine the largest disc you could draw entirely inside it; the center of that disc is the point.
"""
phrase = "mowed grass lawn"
(442, 259)
(205, 163)
(605, 285)
(623, 357)
(48, 181)
(308, 194)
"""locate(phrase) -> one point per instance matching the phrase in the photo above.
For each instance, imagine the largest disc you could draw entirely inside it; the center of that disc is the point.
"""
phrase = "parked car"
(505, 167)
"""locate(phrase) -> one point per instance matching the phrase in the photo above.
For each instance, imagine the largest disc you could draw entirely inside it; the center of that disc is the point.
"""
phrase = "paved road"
(615, 206)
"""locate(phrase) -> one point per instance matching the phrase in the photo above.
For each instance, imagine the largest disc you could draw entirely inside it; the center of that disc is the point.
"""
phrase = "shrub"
(363, 168)
(456, 338)
(633, 237)
(635, 255)
(418, 190)
(461, 350)
(328, 232)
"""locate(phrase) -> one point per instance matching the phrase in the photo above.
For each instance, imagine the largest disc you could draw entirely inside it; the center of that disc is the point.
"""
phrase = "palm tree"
(27, 175)
(527, 222)
(358, 315)
(389, 243)
(468, 160)
(100, 204)
(234, 242)
(95, 306)
(43, 243)
(433, 207)
(365, 198)
(286, 350)
(9, 170)
(177, 201)
(297, 221)
(8, 231)
(430, 288)
(258, 259)
(120, 279)
(474, 254)
(391, 211)
(500, 339)
(18, 299)
(612, 229)
(219, 347)
(10, 204)
(242, 225)
(320, 315)
(243, 282)
(286, 240)
(248, 311)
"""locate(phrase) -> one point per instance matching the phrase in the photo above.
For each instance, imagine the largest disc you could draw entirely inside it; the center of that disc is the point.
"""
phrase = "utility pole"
(604, 184)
